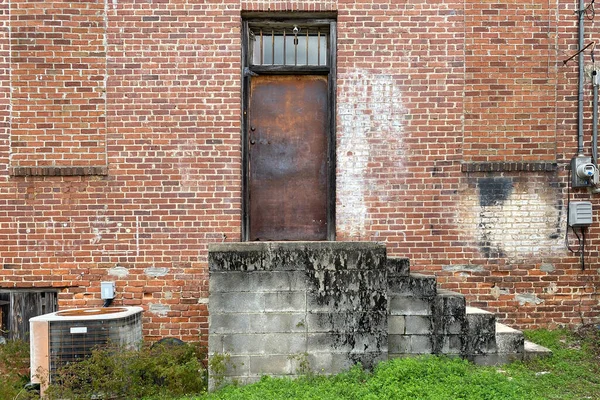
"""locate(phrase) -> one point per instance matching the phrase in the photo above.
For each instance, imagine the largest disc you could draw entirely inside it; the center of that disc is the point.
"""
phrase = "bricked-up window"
(58, 87)
(293, 45)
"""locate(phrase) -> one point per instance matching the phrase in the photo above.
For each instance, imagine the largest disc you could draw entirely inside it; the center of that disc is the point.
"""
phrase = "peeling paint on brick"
(119, 272)
(159, 309)
(547, 267)
(516, 218)
(552, 288)
(156, 271)
(530, 298)
(497, 291)
(463, 268)
(370, 112)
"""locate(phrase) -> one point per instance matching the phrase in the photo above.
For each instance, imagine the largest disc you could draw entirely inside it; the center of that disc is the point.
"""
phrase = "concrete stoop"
(426, 320)
(278, 308)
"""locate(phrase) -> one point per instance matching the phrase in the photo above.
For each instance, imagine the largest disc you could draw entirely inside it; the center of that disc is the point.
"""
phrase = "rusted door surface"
(288, 157)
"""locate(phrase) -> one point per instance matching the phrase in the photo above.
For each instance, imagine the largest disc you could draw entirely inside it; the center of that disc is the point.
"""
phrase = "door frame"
(248, 70)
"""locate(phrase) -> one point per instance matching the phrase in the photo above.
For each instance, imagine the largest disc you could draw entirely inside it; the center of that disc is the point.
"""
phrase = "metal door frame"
(330, 70)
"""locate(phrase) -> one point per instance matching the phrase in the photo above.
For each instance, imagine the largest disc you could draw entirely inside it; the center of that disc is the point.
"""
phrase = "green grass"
(573, 372)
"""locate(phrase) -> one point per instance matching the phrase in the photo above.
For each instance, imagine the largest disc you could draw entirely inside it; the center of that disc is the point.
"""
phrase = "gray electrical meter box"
(580, 213)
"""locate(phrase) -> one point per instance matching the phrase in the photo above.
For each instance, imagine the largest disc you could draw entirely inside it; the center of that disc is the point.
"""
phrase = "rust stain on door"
(288, 157)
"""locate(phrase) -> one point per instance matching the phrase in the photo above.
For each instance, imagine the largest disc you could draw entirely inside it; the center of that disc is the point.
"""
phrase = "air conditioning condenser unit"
(66, 336)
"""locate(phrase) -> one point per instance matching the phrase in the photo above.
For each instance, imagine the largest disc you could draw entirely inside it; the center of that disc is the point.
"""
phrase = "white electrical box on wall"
(107, 290)
(580, 213)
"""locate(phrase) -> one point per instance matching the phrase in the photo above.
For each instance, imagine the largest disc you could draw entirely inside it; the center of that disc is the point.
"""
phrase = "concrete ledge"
(416, 285)
(295, 256)
(539, 166)
(533, 351)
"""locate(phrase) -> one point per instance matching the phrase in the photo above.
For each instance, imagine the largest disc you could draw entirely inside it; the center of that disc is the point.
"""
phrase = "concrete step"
(398, 266)
(511, 346)
(481, 332)
(415, 285)
(532, 351)
(451, 303)
(509, 340)
(478, 317)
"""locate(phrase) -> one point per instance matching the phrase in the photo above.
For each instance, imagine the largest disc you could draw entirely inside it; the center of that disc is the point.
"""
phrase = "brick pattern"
(58, 82)
(288, 5)
(147, 99)
(5, 91)
(508, 166)
(510, 81)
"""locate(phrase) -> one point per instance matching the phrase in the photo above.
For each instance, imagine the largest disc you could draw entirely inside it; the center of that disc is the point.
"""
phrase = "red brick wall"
(58, 84)
(125, 163)
(510, 80)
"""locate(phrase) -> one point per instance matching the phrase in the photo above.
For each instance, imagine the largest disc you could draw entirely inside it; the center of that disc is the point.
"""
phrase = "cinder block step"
(398, 266)
(409, 305)
(532, 351)
(416, 285)
(451, 303)
(479, 318)
(481, 332)
(509, 340)
(450, 323)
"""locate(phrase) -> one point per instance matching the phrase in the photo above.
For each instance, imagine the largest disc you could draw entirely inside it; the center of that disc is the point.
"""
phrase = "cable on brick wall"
(580, 239)
(589, 11)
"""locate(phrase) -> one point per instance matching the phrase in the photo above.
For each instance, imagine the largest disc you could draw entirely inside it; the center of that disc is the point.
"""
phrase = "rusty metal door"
(287, 157)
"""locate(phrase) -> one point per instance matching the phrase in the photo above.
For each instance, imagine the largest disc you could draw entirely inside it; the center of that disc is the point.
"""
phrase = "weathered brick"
(120, 147)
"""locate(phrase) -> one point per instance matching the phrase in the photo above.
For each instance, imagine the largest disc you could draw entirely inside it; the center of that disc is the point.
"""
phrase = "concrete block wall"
(279, 308)
(411, 302)
(274, 306)
(426, 320)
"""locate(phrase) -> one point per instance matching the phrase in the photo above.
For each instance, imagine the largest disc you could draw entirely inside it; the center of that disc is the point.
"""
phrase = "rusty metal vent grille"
(71, 341)
(290, 45)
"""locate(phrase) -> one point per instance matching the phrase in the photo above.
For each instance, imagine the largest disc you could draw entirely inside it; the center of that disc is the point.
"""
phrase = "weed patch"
(161, 370)
(14, 369)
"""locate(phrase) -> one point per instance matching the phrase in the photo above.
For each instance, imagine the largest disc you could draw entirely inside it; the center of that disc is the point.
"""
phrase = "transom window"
(297, 45)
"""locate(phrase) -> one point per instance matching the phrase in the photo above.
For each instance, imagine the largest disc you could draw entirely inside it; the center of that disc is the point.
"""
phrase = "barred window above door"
(292, 45)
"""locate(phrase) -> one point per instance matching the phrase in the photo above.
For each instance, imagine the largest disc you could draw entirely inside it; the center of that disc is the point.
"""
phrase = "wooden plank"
(23, 305)
(5, 298)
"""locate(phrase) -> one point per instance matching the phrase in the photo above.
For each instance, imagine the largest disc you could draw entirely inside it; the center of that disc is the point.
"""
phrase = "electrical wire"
(583, 249)
(590, 11)
(580, 243)
(568, 203)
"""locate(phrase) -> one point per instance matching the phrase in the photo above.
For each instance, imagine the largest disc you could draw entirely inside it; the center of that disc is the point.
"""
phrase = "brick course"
(120, 154)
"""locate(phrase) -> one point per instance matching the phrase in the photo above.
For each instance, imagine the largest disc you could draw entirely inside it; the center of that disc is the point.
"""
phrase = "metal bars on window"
(291, 46)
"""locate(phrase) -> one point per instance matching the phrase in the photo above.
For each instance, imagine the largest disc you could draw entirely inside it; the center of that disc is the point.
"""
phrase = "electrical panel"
(580, 213)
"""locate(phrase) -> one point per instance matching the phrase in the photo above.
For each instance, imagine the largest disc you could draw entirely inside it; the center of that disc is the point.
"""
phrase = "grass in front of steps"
(572, 372)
